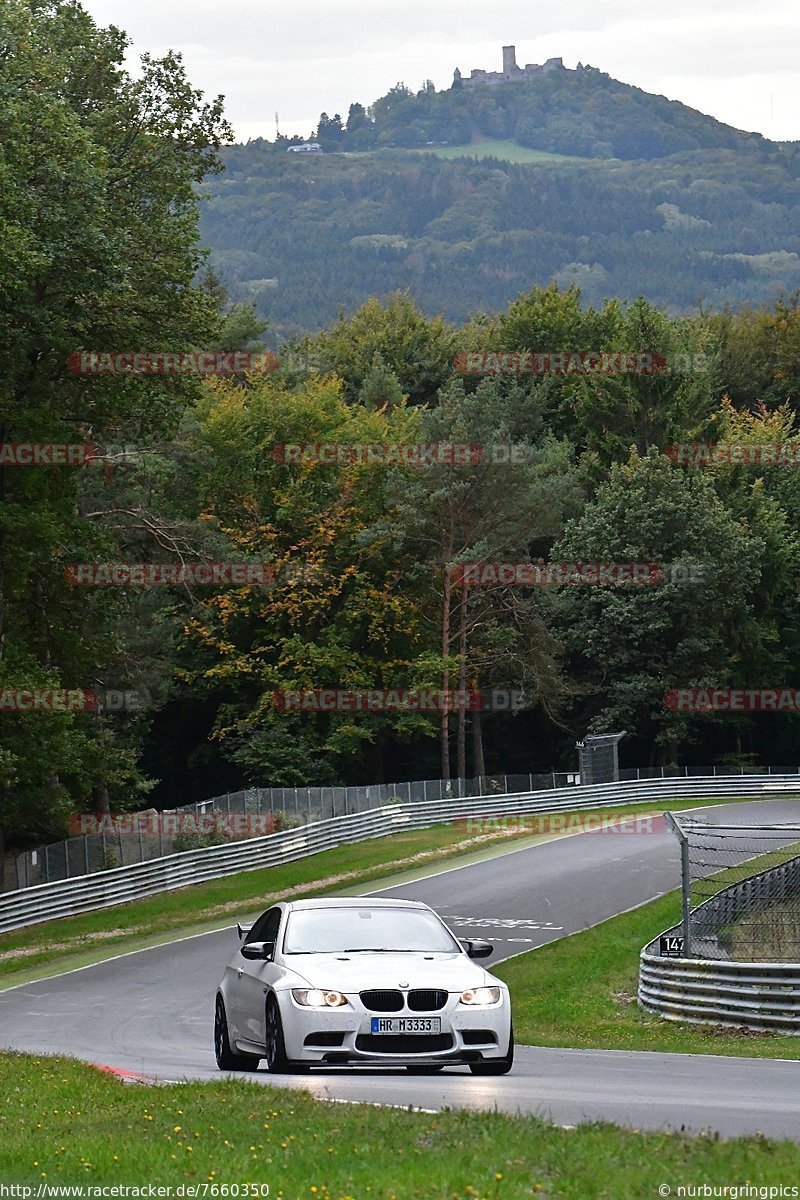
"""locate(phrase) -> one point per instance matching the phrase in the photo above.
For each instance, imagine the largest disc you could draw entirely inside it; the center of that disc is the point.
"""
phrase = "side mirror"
(258, 950)
(477, 949)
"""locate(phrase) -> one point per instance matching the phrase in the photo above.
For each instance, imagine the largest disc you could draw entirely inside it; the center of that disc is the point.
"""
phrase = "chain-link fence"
(740, 890)
(253, 812)
(242, 814)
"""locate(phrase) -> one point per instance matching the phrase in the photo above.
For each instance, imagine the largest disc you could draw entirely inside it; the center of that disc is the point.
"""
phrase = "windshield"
(338, 930)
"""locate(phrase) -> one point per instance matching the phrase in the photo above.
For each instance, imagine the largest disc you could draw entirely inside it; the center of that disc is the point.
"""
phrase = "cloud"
(721, 56)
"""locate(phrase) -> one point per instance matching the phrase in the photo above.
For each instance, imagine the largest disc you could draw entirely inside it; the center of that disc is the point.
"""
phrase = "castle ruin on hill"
(511, 73)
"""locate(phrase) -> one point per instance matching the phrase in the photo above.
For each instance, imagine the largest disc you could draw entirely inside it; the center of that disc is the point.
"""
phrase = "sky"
(729, 58)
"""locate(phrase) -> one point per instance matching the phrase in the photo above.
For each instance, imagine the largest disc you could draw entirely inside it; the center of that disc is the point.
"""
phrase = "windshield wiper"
(380, 950)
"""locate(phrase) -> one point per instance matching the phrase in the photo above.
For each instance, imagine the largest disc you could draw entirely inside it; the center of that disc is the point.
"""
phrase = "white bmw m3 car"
(360, 982)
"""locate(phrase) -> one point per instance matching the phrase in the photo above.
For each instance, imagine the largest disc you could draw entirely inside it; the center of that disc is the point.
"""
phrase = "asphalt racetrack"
(150, 1012)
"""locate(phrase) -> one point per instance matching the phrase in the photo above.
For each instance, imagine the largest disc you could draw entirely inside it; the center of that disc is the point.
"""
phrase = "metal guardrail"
(763, 996)
(759, 995)
(118, 886)
(161, 834)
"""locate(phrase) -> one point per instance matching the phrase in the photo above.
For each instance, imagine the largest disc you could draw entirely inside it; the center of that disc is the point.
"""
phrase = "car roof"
(323, 902)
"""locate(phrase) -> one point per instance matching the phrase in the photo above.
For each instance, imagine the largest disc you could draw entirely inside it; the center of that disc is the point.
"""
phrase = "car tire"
(274, 1045)
(425, 1069)
(227, 1058)
(496, 1066)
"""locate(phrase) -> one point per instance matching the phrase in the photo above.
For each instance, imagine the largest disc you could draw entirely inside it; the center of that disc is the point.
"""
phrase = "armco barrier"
(716, 990)
(117, 886)
(701, 990)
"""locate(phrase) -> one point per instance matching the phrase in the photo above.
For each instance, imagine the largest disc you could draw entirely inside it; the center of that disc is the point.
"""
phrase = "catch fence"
(159, 835)
(740, 887)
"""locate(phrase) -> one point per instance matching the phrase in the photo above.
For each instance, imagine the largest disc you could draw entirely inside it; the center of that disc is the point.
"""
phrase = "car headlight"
(317, 998)
(480, 996)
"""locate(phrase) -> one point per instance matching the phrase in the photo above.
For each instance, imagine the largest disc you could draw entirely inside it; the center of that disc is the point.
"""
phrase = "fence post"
(685, 882)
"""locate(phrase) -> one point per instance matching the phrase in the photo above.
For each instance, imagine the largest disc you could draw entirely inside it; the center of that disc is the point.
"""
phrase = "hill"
(583, 112)
(646, 196)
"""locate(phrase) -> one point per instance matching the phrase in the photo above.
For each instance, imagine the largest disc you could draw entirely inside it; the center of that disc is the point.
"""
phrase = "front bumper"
(343, 1035)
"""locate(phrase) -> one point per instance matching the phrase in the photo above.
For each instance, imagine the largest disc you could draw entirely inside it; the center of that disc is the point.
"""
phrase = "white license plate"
(406, 1025)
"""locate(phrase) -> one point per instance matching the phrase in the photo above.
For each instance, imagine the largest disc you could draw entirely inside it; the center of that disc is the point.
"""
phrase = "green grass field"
(506, 150)
(65, 1123)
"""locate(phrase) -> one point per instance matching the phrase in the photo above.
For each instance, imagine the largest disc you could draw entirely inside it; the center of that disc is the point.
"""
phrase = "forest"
(354, 565)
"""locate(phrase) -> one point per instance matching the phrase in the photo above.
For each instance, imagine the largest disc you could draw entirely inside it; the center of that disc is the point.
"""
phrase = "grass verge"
(581, 992)
(768, 937)
(52, 946)
(65, 1123)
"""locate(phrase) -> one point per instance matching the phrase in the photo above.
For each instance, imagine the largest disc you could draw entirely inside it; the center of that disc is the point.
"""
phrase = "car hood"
(356, 972)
